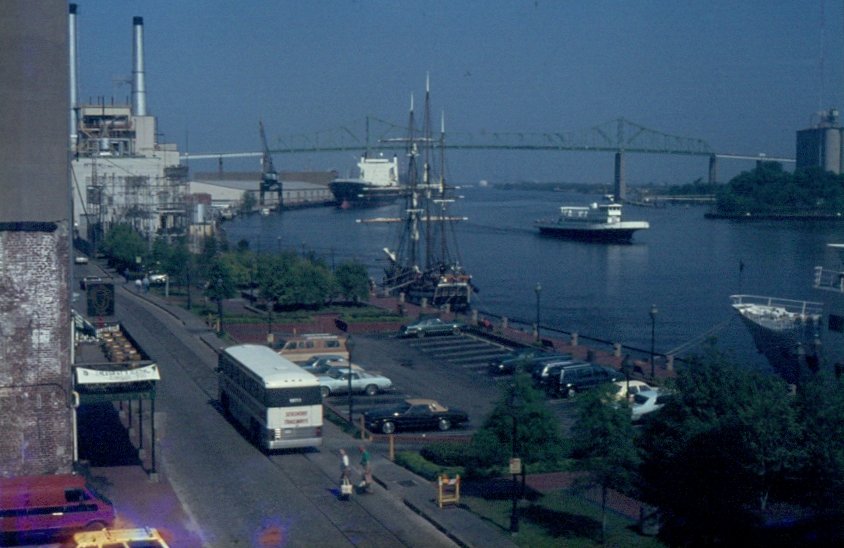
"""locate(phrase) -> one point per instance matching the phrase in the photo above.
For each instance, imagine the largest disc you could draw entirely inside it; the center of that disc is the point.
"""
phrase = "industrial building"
(226, 190)
(119, 172)
(820, 145)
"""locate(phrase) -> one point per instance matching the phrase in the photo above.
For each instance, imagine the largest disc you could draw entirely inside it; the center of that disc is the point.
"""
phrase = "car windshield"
(335, 373)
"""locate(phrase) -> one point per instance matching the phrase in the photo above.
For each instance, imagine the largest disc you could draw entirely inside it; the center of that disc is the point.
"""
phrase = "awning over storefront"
(85, 375)
(99, 384)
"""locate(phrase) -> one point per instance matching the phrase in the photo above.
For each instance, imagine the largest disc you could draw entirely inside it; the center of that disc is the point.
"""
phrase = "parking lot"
(451, 369)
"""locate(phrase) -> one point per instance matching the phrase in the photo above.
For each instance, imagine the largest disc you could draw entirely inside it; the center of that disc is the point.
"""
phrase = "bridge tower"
(619, 185)
(713, 169)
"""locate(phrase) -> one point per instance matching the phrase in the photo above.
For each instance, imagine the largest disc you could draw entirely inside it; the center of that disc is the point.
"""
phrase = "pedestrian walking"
(345, 481)
(138, 284)
(366, 466)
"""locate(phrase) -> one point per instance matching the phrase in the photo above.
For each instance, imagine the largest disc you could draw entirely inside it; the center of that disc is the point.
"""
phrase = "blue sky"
(741, 75)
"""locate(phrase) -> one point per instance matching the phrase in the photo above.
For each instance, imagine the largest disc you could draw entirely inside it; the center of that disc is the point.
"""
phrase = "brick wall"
(35, 416)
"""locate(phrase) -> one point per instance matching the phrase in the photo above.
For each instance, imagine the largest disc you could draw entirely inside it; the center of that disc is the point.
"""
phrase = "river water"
(686, 265)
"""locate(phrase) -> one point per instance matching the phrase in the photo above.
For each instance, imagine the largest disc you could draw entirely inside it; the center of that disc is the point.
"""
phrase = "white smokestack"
(139, 92)
(73, 88)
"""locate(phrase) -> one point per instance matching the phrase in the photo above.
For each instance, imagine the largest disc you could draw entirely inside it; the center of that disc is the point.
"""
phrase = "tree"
(179, 266)
(352, 281)
(730, 436)
(124, 245)
(275, 278)
(538, 438)
(820, 404)
(312, 283)
(603, 445)
(248, 202)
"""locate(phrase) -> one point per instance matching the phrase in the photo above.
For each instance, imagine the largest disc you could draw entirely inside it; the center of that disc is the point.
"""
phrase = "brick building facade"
(35, 352)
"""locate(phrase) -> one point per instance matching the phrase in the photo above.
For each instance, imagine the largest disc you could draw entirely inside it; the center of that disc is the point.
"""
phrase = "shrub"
(445, 453)
(419, 465)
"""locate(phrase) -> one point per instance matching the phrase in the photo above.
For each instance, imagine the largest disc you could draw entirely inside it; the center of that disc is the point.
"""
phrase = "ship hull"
(609, 234)
(362, 194)
(789, 340)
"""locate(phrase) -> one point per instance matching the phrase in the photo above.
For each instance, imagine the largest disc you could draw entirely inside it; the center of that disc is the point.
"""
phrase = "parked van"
(51, 505)
(579, 377)
(305, 347)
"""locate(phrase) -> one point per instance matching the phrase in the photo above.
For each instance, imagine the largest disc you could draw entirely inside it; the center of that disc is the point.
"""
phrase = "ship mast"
(429, 255)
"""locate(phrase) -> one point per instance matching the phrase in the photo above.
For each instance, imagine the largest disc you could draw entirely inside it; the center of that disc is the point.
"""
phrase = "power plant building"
(119, 172)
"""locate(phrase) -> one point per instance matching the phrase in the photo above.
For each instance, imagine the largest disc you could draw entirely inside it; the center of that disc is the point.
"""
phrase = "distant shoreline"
(775, 216)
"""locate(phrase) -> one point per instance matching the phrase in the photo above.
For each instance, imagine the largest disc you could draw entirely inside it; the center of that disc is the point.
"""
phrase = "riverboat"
(595, 223)
(377, 184)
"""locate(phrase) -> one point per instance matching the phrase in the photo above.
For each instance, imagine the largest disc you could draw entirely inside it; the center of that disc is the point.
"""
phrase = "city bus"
(277, 402)
(51, 505)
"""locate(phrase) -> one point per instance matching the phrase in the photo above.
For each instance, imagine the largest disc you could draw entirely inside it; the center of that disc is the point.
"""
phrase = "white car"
(157, 278)
(336, 381)
(646, 401)
(80, 260)
(636, 386)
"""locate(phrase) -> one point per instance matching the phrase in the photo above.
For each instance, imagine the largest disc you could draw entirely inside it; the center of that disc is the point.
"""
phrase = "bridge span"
(619, 136)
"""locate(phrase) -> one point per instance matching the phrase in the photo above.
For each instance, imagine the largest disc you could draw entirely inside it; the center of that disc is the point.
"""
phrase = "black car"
(413, 414)
(527, 357)
(580, 377)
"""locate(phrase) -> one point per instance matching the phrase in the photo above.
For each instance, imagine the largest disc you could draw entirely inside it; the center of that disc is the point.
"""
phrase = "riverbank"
(748, 216)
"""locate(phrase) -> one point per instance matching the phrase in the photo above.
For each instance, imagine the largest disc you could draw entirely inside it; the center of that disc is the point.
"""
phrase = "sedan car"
(319, 365)
(157, 278)
(524, 357)
(413, 414)
(431, 326)
(636, 386)
(336, 381)
(647, 401)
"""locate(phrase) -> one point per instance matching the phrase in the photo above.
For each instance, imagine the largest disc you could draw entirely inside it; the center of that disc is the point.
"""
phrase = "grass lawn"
(559, 519)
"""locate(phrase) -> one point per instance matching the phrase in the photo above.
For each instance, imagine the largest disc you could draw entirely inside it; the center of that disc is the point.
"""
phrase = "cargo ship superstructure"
(376, 183)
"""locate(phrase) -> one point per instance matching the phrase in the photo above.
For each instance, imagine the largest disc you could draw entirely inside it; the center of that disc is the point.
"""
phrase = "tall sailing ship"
(424, 264)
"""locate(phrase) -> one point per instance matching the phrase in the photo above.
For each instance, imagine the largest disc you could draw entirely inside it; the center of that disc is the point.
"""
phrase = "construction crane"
(269, 176)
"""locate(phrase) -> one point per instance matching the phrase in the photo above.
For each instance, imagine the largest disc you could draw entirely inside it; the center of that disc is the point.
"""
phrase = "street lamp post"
(538, 290)
(350, 345)
(270, 337)
(514, 462)
(220, 305)
(653, 333)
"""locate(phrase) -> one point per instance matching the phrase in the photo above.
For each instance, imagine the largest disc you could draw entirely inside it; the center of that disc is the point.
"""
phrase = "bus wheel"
(371, 390)
(388, 427)
(255, 434)
(95, 526)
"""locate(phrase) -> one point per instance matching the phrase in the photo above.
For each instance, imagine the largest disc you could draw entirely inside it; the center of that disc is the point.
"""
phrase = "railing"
(803, 308)
(828, 279)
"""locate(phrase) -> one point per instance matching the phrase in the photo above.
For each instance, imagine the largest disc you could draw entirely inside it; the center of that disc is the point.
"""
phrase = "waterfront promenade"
(138, 497)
